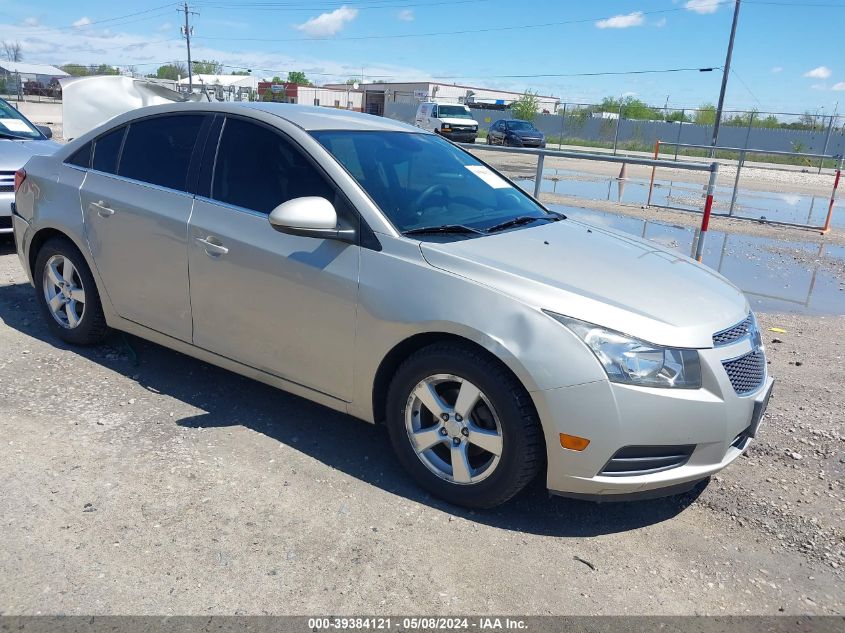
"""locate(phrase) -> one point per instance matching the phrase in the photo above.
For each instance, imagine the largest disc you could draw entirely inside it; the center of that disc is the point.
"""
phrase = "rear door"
(136, 211)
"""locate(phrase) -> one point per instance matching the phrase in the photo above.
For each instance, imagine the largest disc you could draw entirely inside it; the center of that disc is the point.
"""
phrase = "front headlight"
(632, 361)
(446, 126)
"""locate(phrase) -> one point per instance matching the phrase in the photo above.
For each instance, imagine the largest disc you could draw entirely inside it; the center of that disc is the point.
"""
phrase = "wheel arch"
(409, 346)
(45, 233)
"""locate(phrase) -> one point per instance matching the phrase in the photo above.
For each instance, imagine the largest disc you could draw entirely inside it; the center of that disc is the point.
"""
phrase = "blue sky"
(788, 55)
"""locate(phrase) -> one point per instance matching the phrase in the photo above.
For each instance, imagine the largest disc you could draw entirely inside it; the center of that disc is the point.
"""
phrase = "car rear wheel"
(463, 426)
(67, 294)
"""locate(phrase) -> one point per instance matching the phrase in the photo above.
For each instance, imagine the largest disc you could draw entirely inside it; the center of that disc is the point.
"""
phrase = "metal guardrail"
(743, 153)
(712, 168)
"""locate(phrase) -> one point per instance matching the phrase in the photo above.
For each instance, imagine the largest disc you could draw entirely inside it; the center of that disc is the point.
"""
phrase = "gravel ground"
(137, 480)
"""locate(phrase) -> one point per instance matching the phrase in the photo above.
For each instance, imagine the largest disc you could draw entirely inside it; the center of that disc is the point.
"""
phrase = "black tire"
(488, 140)
(523, 449)
(92, 328)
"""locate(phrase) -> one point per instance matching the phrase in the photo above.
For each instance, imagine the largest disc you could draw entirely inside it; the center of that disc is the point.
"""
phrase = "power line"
(593, 74)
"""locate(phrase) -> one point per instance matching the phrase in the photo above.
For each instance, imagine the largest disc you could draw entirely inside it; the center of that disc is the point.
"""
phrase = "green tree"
(631, 109)
(706, 114)
(678, 116)
(277, 80)
(102, 69)
(526, 106)
(208, 67)
(298, 77)
(351, 80)
(172, 71)
(240, 72)
(75, 70)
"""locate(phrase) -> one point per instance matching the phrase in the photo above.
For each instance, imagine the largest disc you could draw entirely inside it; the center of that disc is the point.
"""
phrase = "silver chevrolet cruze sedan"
(384, 272)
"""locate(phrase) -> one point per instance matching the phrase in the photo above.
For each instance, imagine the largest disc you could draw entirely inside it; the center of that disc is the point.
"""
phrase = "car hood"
(458, 121)
(14, 154)
(601, 276)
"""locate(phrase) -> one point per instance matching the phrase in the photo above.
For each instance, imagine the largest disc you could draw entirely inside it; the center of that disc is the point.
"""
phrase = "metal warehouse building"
(375, 95)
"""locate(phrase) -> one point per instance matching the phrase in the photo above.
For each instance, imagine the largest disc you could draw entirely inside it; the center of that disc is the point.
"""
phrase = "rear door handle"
(212, 248)
(103, 209)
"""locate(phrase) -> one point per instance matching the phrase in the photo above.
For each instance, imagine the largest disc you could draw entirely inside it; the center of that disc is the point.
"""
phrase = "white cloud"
(660, 23)
(822, 72)
(819, 87)
(622, 21)
(91, 45)
(83, 21)
(838, 86)
(777, 69)
(406, 15)
(30, 22)
(328, 24)
(165, 27)
(703, 6)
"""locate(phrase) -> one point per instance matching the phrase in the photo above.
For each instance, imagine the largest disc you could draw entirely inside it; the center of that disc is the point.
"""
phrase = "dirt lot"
(137, 480)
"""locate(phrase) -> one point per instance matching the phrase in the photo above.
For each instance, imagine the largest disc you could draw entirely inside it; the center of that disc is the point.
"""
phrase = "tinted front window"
(453, 112)
(258, 169)
(421, 180)
(158, 150)
(106, 151)
(523, 126)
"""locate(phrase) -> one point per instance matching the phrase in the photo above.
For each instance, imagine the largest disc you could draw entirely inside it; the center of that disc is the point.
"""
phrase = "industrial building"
(375, 95)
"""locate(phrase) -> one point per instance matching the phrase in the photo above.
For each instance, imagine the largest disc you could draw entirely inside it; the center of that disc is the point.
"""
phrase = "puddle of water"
(781, 207)
(776, 276)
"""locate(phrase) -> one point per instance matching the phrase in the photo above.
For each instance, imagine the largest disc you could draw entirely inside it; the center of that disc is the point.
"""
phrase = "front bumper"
(458, 136)
(713, 424)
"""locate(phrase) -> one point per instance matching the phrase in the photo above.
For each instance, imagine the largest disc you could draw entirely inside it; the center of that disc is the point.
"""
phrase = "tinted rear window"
(106, 150)
(82, 156)
(158, 150)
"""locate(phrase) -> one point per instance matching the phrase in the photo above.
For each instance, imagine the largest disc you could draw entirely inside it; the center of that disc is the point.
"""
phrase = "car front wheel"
(463, 426)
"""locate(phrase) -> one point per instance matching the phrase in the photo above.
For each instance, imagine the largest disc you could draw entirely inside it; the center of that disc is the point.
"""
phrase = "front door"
(136, 213)
(280, 303)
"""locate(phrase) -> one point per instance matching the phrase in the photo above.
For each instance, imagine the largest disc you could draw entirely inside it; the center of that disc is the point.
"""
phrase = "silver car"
(19, 139)
(384, 272)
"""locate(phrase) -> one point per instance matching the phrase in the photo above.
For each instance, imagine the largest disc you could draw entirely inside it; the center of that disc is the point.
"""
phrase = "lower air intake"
(645, 460)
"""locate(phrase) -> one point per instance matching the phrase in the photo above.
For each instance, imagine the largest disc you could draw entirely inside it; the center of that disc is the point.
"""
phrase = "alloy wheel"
(64, 291)
(454, 429)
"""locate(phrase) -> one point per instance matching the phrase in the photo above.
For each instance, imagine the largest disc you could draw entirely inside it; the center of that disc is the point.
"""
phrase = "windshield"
(521, 125)
(453, 112)
(422, 180)
(14, 125)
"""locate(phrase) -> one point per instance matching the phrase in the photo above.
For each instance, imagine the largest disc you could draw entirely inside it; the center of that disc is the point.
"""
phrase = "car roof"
(309, 118)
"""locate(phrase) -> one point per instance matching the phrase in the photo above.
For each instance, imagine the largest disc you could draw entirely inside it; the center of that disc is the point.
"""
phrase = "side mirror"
(310, 216)
(46, 131)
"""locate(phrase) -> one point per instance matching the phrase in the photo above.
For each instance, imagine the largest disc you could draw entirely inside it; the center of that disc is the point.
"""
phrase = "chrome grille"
(645, 460)
(746, 373)
(726, 337)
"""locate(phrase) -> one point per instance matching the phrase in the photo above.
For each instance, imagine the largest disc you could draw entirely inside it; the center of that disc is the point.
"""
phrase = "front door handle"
(212, 248)
(103, 209)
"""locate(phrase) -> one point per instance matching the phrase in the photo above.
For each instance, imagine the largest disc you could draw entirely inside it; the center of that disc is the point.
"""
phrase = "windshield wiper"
(523, 219)
(443, 228)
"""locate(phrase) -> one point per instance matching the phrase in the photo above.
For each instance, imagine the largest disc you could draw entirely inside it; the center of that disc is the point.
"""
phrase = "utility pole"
(725, 72)
(187, 31)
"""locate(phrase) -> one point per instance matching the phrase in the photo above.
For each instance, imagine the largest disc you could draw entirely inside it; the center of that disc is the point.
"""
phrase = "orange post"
(832, 201)
(653, 169)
